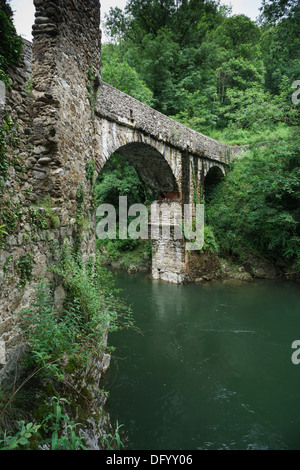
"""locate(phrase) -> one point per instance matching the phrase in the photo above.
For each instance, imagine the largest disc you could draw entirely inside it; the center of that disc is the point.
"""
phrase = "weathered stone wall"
(50, 102)
(66, 69)
(15, 203)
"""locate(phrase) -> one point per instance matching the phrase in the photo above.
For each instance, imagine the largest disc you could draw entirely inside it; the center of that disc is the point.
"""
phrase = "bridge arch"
(153, 169)
(157, 164)
(213, 177)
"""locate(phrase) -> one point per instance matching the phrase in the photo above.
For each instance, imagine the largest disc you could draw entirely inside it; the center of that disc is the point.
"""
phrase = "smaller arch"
(213, 178)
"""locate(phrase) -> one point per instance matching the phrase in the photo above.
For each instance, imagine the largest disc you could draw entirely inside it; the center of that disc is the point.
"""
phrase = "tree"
(118, 73)
(275, 10)
(10, 42)
(147, 17)
(281, 43)
(159, 39)
(256, 208)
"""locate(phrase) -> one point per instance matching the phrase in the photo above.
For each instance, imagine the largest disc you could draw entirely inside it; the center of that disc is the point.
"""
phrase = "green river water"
(211, 368)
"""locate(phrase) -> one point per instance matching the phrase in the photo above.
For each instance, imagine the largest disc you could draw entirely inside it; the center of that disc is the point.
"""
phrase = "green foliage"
(256, 208)
(142, 17)
(8, 136)
(117, 72)
(210, 243)
(274, 10)
(119, 178)
(92, 85)
(2, 231)
(280, 42)
(24, 266)
(62, 431)
(113, 441)
(90, 308)
(43, 216)
(127, 254)
(51, 338)
(52, 219)
(21, 440)
(90, 171)
(80, 197)
(56, 431)
(10, 42)
(204, 67)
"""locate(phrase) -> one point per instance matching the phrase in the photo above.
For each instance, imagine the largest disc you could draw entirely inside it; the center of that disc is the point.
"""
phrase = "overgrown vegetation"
(63, 340)
(91, 308)
(92, 85)
(256, 209)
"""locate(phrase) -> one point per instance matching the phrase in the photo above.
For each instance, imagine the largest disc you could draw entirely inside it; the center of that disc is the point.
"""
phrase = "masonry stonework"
(50, 107)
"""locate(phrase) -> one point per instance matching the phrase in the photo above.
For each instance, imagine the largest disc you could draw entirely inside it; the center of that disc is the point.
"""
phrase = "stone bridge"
(169, 158)
(162, 150)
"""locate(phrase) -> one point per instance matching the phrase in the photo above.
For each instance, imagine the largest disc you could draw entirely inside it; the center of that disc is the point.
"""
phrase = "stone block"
(2, 353)
(2, 95)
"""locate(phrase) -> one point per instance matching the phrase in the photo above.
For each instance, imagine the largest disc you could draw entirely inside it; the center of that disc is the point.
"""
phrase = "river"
(210, 368)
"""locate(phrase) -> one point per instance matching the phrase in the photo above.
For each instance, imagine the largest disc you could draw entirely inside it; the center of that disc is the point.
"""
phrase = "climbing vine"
(8, 136)
(90, 169)
(92, 85)
(80, 196)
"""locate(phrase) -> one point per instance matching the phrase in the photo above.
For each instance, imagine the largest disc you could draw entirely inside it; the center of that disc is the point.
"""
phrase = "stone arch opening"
(152, 168)
(211, 181)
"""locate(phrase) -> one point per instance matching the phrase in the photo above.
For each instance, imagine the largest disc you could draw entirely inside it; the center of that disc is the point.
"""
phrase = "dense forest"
(234, 80)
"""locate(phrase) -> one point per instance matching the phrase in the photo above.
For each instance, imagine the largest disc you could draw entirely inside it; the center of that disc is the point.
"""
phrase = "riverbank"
(203, 266)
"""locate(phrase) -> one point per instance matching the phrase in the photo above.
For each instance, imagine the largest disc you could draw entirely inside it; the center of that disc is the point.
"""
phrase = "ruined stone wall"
(66, 71)
(50, 110)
